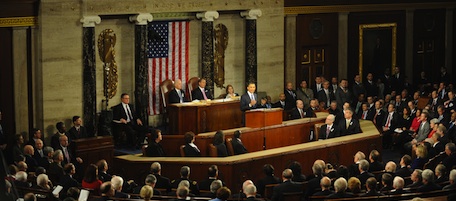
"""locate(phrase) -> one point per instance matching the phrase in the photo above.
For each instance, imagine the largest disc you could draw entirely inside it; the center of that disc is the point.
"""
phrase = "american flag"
(168, 57)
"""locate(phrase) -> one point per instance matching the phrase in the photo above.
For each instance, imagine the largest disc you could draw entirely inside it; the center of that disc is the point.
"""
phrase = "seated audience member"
(353, 168)
(310, 112)
(302, 93)
(416, 179)
(72, 192)
(162, 182)
(390, 123)
(298, 112)
(314, 184)
(21, 165)
(223, 194)
(404, 170)
(364, 174)
(146, 192)
(43, 182)
(349, 125)
(68, 181)
(238, 147)
(155, 148)
(106, 191)
(215, 185)
(61, 131)
(281, 103)
(340, 185)
(250, 192)
(219, 143)
(387, 182)
(39, 152)
(201, 93)
(177, 95)
(329, 130)
(117, 183)
(230, 92)
(69, 156)
(77, 131)
(296, 168)
(185, 175)
(354, 185)
(125, 119)
(36, 134)
(405, 121)
(31, 162)
(450, 160)
(325, 185)
(182, 193)
(268, 178)
(44, 162)
(16, 149)
(212, 174)
(55, 170)
(334, 110)
(433, 125)
(374, 160)
(190, 149)
(365, 113)
(21, 179)
(398, 185)
(287, 186)
(103, 171)
(440, 174)
(421, 157)
(264, 103)
(150, 180)
(428, 182)
(421, 134)
(371, 188)
(331, 172)
(90, 180)
(452, 179)
(379, 114)
(29, 197)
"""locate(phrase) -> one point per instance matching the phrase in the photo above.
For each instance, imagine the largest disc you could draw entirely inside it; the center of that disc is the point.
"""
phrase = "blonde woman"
(146, 192)
(421, 157)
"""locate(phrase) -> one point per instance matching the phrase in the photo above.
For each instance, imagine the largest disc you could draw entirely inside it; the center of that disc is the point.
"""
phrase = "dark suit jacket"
(342, 97)
(394, 122)
(67, 182)
(334, 132)
(339, 115)
(371, 89)
(376, 166)
(221, 150)
(279, 105)
(364, 176)
(173, 96)
(55, 172)
(245, 101)
(194, 187)
(353, 127)
(371, 193)
(310, 112)
(379, 118)
(261, 184)
(313, 186)
(285, 187)
(31, 163)
(190, 151)
(428, 187)
(198, 95)
(295, 113)
(433, 107)
(323, 193)
(104, 177)
(358, 89)
(450, 161)
(404, 172)
(238, 147)
(162, 182)
(321, 96)
(154, 149)
(341, 195)
(73, 133)
(55, 143)
(118, 112)
(397, 192)
(415, 185)
(290, 100)
(70, 152)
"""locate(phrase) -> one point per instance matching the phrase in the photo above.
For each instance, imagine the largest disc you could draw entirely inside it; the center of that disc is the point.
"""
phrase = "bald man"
(329, 130)
(287, 186)
(177, 95)
(29, 151)
(298, 112)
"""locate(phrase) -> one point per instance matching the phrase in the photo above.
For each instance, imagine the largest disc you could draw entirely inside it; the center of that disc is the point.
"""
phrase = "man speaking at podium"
(249, 100)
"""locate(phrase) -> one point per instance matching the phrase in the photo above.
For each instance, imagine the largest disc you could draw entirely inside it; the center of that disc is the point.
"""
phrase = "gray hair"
(363, 165)
(428, 175)
(42, 180)
(117, 182)
(340, 185)
(47, 150)
(453, 175)
(150, 179)
(185, 183)
(250, 189)
(21, 176)
(398, 182)
(215, 185)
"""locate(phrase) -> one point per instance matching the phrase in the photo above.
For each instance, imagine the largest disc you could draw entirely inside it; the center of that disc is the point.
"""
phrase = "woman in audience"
(219, 143)
(269, 178)
(90, 180)
(331, 172)
(434, 125)
(354, 185)
(230, 92)
(421, 157)
(154, 147)
(146, 192)
(296, 168)
(416, 121)
(342, 171)
(190, 148)
(406, 120)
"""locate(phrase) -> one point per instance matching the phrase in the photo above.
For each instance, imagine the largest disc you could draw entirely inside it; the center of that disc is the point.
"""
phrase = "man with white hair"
(416, 179)
(151, 181)
(440, 174)
(329, 130)
(364, 174)
(162, 182)
(177, 95)
(287, 186)
(21, 179)
(215, 185)
(42, 181)
(250, 192)
(428, 182)
(452, 179)
(353, 169)
(325, 184)
(398, 185)
(340, 185)
(117, 183)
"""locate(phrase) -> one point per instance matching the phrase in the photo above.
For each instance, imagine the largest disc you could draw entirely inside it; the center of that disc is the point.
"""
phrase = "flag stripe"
(168, 58)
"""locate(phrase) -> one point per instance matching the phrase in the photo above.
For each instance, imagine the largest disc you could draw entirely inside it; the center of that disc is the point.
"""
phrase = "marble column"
(449, 37)
(141, 90)
(290, 48)
(409, 43)
(207, 49)
(89, 78)
(343, 46)
(21, 81)
(251, 64)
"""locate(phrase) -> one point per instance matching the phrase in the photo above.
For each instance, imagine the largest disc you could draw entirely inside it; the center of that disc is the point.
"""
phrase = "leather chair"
(143, 148)
(192, 83)
(229, 146)
(317, 130)
(165, 87)
(181, 149)
(212, 151)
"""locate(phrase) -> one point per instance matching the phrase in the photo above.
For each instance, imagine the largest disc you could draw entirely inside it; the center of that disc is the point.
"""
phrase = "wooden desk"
(93, 149)
(219, 114)
(234, 170)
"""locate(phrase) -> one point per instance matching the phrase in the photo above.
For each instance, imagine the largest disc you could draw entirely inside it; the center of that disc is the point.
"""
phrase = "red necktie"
(363, 116)
(388, 121)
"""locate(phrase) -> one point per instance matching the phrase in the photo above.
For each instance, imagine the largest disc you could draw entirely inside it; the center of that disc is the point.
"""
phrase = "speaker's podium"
(258, 118)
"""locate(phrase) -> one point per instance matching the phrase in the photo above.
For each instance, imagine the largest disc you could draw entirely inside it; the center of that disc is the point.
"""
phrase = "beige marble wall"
(20, 79)
(59, 43)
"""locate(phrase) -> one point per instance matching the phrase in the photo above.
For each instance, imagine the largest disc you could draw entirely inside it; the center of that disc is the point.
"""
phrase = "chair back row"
(168, 85)
(212, 149)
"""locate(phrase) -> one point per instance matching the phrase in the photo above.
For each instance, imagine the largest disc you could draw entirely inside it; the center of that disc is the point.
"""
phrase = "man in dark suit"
(177, 95)
(238, 147)
(363, 167)
(35, 136)
(67, 181)
(125, 120)
(298, 112)
(389, 124)
(290, 95)
(190, 149)
(268, 178)
(371, 188)
(31, 162)
(281, 103)
(201, 93)
(329, 130)
(343, 94)
(358, 87)
(371, 86)
(310, 112)
(397, 80)
(349, 125)
(314, 184)
(162, 182)
(428, 182)
(416, 179)
(326, 95)
(150, 180)
(334, 110)
(249, 100)
(379, 115)
(68, 152)
(365, 113)
(340, 186)
(250, 192)
(287, 186)
(77, 131)
(325, 185)
(103, 174)
(317, 86)
(434, 102)
(61, 131)
(398, 185)
(39, 154)
(212, 174)
(404, 170)
(450, 160)
(185, 174)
